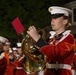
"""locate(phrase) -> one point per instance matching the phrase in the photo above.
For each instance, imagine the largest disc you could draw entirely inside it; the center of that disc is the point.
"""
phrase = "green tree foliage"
(60, 2)
(30, 12)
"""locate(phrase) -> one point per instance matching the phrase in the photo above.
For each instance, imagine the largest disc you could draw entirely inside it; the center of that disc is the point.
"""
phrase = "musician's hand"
(33, 33)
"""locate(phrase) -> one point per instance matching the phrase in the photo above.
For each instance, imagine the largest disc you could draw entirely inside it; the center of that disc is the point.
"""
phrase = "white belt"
(58, 66)
(19, 68)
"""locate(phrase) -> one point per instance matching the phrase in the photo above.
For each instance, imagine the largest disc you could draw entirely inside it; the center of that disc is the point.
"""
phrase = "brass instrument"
(34, 59)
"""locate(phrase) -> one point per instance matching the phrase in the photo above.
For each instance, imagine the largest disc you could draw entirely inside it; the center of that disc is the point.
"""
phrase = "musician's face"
(58, 23)
(19, 50)
(6, 47)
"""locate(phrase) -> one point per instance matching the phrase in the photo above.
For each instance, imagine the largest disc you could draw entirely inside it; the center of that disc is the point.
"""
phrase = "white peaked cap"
(3, 39)
(19, 44)
(10, 50)
(59, 10)
(14, 48)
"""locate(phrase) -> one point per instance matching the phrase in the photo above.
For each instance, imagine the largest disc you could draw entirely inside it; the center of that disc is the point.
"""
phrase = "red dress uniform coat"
(74, 65)
(74, 62)
(15, 68)
(59, 53)
(3, 64)
(8, 61)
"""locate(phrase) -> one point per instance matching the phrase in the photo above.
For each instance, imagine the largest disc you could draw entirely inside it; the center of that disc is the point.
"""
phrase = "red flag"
(18, 25)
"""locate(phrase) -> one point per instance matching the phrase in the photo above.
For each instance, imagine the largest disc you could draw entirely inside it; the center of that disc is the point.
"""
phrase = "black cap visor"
(54, 16)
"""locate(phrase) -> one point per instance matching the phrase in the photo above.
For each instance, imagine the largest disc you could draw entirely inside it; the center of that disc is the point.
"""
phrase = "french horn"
(34, 59)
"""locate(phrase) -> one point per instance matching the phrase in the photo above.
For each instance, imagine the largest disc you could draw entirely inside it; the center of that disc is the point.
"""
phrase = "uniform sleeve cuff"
(41, 43)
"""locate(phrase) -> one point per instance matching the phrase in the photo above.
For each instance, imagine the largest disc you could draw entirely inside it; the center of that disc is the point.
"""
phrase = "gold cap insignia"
(51, 9)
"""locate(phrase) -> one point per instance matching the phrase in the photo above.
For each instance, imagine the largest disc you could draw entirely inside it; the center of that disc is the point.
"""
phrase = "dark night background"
(30, 12)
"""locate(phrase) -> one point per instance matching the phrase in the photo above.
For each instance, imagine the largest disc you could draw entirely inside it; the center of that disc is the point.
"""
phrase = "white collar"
(66, 32)
(53, 33)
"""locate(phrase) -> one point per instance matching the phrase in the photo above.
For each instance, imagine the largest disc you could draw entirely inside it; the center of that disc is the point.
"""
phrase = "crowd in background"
(11, 59)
